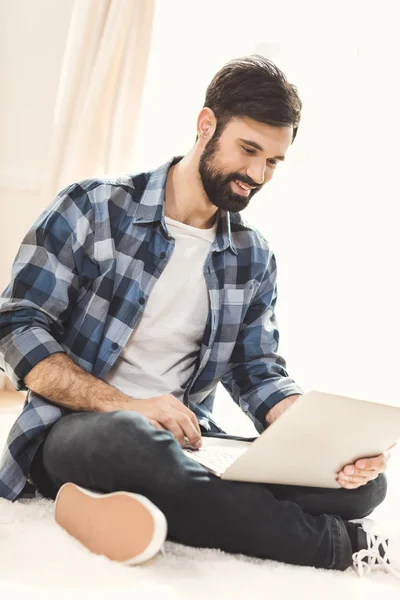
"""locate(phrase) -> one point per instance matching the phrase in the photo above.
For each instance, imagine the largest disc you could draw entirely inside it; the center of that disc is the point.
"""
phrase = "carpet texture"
(38, 560)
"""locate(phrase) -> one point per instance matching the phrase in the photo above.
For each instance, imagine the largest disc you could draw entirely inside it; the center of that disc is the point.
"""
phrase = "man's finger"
(180, 426)
(169, 422)
(356, 480)
(349, 473)
(348, 485)
(185, 423)
(193, 420)
(371, 464)
(177, 405)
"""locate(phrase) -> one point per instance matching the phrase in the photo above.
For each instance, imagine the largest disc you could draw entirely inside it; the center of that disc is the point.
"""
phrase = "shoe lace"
(373, 556)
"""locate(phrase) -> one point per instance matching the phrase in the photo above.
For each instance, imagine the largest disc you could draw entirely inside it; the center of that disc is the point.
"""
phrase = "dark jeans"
(122, 451)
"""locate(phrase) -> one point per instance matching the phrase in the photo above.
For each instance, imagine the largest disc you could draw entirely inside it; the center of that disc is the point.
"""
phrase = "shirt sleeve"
(257, 378)
(46, 277)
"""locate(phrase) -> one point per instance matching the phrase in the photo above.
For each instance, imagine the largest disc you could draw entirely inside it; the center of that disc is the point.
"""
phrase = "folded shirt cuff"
(27, 349)
(273, 399)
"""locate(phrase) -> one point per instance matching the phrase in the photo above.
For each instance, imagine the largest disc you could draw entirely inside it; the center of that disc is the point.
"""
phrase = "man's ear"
(206, 123)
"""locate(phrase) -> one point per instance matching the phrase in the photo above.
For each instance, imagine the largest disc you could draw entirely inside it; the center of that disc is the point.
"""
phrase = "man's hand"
(166, 412)
(279, 408)
(363, 470)
(351, 476)
(61, 381)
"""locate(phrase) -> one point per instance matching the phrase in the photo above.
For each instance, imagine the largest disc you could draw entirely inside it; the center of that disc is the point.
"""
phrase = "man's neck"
(185, 198)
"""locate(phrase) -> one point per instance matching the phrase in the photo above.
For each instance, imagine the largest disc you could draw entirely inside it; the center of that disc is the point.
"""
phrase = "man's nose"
(256, 174)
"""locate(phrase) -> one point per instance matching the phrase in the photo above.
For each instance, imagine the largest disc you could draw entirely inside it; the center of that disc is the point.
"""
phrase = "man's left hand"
(363, 470)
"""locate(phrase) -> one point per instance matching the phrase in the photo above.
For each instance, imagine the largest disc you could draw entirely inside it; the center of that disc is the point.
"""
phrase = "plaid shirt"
(80, 283)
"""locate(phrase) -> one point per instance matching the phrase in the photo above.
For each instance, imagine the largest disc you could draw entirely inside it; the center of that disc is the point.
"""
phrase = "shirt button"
(142, 300)
(114, 345)
(163, 255)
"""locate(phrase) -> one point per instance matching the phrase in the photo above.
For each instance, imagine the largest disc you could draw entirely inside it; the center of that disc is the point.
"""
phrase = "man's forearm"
(61, 381)
(280, 408)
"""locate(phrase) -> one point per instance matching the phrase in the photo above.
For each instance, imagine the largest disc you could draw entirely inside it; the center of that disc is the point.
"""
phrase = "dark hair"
(252, 86)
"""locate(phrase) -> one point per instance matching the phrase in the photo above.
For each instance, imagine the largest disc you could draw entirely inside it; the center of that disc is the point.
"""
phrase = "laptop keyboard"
(214, 459)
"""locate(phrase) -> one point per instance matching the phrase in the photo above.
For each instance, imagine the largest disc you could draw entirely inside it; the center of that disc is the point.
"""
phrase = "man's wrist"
(280, 408)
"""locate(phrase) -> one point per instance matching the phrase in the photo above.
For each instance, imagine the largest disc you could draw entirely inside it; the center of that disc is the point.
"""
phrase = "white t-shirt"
(160, 356)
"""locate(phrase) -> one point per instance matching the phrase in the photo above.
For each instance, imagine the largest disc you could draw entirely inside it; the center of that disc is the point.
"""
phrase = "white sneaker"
(376, 556)
(125, 527)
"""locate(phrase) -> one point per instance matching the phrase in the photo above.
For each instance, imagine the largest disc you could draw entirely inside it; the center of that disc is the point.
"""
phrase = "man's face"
(230, 161)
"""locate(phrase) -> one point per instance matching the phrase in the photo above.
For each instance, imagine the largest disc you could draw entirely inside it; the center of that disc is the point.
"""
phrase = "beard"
(217, 185)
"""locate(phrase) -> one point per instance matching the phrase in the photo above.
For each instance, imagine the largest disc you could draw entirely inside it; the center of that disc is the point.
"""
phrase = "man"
(130, 300)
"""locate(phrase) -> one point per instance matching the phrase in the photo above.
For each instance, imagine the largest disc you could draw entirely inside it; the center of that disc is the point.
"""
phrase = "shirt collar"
(152, 207)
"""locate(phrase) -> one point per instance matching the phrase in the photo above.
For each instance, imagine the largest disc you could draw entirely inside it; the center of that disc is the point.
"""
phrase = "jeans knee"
(380, 490)
(107, 451)
(125, 426)
(139, 453)
(370, 496)
(136, 433)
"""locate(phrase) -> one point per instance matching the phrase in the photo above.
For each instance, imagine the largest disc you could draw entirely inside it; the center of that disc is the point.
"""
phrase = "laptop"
(307, 445)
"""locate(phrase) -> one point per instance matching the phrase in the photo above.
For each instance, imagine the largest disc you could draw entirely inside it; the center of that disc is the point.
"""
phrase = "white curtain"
(98, 101)
(99, 95)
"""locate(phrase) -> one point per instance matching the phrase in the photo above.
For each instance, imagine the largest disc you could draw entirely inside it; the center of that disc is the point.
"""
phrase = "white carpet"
(39, 559)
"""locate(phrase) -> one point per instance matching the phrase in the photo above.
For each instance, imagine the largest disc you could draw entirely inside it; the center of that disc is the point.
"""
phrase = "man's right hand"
(166, 412)
(61, 381)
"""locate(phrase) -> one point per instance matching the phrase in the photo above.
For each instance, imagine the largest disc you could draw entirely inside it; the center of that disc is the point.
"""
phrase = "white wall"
(330, 213)
(32, 40)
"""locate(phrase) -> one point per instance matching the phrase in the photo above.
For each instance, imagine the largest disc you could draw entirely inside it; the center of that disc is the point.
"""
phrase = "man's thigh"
(109, 452)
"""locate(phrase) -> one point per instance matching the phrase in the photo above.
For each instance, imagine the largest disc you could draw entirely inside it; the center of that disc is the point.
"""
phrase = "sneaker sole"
(122, 526)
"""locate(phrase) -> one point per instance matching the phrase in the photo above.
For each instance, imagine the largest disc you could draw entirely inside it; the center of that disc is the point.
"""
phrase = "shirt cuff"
(261, 412)
(26, 350)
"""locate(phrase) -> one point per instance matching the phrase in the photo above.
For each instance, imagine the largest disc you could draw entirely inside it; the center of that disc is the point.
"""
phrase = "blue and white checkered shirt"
(80, 283)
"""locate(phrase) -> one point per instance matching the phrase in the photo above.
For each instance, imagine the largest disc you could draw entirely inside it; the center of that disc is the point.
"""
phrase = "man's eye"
(248, 151)
(273, 162)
